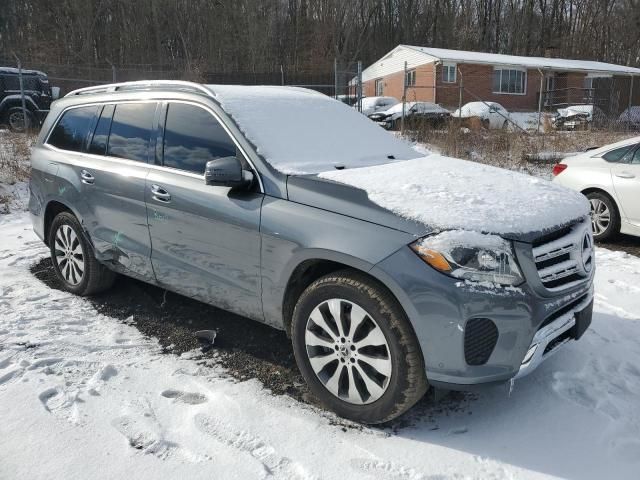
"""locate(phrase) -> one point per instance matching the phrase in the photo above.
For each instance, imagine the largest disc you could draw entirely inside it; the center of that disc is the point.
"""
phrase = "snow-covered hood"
(442, 193)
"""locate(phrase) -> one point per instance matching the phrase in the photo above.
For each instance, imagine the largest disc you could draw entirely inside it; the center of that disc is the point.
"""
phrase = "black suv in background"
(37, 98)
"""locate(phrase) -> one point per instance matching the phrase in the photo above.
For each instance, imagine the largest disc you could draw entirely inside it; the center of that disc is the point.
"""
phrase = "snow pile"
(300, 131)
(83, 395)
(448, 193)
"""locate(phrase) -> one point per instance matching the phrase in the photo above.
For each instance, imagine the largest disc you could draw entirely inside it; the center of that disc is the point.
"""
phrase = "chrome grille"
(566, 260)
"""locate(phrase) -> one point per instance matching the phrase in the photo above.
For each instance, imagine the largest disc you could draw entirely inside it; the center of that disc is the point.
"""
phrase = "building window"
(410, 79)
(507, 80)
(449, 73)
(379, 87)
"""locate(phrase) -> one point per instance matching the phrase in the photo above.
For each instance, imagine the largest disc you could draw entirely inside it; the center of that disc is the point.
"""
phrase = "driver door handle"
(160, 194)
(625, 174)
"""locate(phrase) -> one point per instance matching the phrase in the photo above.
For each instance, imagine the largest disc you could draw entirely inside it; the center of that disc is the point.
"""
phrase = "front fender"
(293, 233)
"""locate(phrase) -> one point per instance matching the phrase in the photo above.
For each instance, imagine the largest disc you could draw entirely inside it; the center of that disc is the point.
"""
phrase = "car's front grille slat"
(560, 261)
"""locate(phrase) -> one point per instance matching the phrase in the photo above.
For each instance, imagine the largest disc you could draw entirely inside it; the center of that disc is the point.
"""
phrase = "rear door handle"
(625, 175)
(87, 178)
(160, 194)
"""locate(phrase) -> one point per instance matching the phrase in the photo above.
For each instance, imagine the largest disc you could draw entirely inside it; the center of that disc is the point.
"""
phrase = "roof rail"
(179, 85)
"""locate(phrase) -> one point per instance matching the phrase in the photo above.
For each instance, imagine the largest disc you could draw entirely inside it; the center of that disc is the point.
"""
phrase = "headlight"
(470, 256)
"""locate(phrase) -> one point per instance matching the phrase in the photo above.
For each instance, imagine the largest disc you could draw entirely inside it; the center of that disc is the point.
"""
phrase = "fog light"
(529, 355)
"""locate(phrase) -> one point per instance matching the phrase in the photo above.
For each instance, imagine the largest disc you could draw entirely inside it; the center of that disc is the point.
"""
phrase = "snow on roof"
(414, 55)
(531, 62)
(448, 193)
(300, 131)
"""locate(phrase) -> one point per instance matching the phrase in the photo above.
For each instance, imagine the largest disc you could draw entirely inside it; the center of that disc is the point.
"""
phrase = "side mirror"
(227, 172)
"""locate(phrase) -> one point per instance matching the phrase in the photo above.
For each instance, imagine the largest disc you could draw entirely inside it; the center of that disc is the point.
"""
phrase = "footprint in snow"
(184, 397)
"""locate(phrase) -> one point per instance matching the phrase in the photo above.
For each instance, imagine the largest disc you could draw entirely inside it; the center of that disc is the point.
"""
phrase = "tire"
(15, 122)
(486, 124)
(398, 379)
(605, 218)
(505, 126)
(73, 261)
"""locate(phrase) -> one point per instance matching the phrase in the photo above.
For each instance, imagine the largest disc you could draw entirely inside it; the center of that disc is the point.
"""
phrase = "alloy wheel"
(348, 351)
(68, 255)
(600, 216)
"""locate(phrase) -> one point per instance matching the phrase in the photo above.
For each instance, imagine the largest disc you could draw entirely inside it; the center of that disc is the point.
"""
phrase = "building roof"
(415, 56)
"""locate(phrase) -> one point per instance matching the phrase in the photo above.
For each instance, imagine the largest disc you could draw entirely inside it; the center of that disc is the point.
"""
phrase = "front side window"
(411, 78)
(70, 133)
(131, 130)
(379, 87)
(449, 73)
(618, 154)
(192, 137)
(509, 81)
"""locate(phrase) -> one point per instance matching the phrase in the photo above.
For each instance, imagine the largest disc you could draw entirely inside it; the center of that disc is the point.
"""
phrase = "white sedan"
(491, 114)
(610, 178)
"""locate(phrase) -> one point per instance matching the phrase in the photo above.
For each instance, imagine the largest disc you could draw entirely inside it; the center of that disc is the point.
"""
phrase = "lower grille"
(480, 338)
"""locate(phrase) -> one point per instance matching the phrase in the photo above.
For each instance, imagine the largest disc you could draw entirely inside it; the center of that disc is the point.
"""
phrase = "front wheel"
(73, 259)
(355, 348)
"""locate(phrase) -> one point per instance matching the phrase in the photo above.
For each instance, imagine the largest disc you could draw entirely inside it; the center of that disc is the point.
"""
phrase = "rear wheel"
(73, 259)
(356, 349)
(605, 219)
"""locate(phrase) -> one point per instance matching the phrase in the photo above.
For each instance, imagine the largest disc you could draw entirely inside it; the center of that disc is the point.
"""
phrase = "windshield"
(299, 131)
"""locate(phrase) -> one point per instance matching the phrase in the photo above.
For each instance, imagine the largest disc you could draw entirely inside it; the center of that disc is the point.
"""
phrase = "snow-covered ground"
(85, 396)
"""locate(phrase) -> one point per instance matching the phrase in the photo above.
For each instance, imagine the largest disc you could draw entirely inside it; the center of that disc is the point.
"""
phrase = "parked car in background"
(491, 114)
(630, 118)
(610, 178)
(416, 114)
(280, 204)
(579, 117)
(377, 104)
(37, 98)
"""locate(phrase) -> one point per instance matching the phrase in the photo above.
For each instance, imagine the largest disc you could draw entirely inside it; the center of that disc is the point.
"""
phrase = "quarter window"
(71, 131)
(131, 130)
(449, 73)
(509, 81)
(192, 137)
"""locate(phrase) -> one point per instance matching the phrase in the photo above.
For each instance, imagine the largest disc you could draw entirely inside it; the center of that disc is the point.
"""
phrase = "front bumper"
(439, 309)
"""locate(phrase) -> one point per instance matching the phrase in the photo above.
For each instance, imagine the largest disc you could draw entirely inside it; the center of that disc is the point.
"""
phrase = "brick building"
(453, 77)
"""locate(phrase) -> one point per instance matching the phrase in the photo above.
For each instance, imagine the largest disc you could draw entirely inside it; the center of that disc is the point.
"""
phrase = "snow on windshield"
(299, 131)
(448, 193)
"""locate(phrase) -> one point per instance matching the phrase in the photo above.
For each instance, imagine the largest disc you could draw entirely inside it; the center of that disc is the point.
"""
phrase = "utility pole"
(540, 99)
(359, 86)
(404, 98)
(24, 103)
(335, 78)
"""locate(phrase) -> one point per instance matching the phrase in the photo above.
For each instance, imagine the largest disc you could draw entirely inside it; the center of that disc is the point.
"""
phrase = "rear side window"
(131, 130)
(70, 133)
(617, 154)
(98, 145)
(192, 137)
(636, 156)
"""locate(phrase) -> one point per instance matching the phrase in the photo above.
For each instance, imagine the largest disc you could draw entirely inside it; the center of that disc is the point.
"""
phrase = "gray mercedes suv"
(390, 270)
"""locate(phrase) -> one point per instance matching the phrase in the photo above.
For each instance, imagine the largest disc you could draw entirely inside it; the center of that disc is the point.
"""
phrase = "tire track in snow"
(275, 465)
